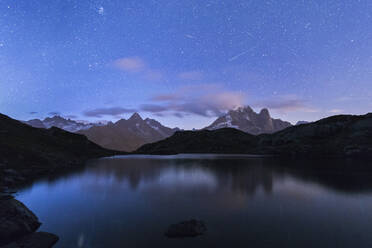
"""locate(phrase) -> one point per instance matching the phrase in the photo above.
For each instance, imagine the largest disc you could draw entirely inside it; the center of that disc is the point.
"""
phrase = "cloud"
(138, 66)
(130, 64)
(153, 75)
(190, 75)
(70, 116)
(203, 100)
(153, 108)
(179, 115)
(54, 113)
(289, 103)
(164, 97)
(113, 111)
(336, 111)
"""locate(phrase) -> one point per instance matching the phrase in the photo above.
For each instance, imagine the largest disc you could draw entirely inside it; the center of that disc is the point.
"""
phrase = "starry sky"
(184, 62)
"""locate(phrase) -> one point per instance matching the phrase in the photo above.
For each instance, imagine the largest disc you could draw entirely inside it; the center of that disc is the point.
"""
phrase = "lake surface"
(129, 201)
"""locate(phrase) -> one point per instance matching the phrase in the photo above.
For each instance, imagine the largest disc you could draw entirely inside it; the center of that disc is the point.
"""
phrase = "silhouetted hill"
(26, 151)
(225, 140)
(343, 135)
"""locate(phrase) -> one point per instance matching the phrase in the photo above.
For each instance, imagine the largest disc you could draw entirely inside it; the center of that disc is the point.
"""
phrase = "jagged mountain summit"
(128, 135)
(245, 119)
(60, 122)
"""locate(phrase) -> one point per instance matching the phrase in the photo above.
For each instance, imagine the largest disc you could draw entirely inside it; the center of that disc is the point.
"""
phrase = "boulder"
(16, 220)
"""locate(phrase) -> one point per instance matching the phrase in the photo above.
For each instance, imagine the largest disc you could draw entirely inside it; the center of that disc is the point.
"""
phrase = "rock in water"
(16, 220)
(190, 228)
(34, 240)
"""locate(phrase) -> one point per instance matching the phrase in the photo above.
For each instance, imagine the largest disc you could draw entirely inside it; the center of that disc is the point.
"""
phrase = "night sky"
(184, 62)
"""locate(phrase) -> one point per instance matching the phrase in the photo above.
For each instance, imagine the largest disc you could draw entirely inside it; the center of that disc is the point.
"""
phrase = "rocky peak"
(265, 113)
(54, 118)
(245, 109)
(247, 120)
(135, 117)
(35, 123)
(121, 122)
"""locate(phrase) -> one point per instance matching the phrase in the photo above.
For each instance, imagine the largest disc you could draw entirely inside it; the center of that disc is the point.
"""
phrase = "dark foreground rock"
(34, 240)
(16, 220)
(18, 225)
(27, 153)
(190, 228)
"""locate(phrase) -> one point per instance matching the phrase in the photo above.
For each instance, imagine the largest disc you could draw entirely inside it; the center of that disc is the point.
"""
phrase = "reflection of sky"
(131, 202)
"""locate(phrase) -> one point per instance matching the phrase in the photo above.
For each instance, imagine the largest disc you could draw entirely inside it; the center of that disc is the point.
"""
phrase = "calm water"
(244, 201)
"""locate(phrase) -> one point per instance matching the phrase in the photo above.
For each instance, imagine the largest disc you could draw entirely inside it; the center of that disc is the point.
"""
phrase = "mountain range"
(123, 135)
(129, 135)
(62, 123)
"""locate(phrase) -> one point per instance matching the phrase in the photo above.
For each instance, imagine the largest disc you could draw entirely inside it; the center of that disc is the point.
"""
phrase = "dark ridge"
(27, 152)
(336, 136)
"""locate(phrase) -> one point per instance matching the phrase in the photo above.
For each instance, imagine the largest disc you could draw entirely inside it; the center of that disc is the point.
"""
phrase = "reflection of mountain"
(134, 171)
(246, 179)
(239, 175)
(343, 175)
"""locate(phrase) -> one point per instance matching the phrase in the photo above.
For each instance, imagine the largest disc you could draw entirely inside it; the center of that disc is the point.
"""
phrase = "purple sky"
(184, 62)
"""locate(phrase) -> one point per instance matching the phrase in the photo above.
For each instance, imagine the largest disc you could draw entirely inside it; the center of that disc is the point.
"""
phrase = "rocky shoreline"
(28, 154)
(18, 226)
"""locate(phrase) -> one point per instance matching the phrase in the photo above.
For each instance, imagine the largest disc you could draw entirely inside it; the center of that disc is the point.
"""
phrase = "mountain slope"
(128, 135)
(343, 135)
(34, 150)
(224, 140)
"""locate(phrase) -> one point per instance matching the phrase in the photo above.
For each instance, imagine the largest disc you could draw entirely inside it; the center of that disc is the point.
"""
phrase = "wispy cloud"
(113, 111)
(138, 66)
(336, 111)
(203, 100)
(153, 75)
(54, 113)
(164, 97)
(153, 108)
(71, 116)
(287, 103)
(130, 64)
